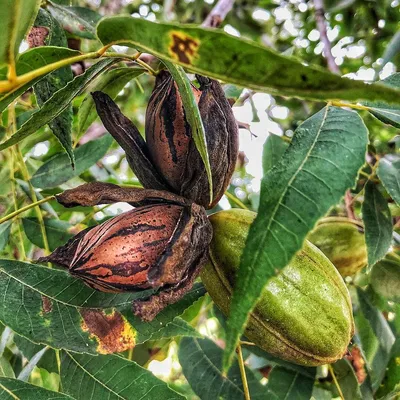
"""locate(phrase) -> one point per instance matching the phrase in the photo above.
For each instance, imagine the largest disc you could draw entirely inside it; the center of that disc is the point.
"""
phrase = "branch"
(321, 25)
(218, 14)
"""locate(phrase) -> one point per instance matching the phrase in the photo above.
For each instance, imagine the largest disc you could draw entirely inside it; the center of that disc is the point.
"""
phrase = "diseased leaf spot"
(47, 305)
(183, 47)
(37, 36)
(112, 332)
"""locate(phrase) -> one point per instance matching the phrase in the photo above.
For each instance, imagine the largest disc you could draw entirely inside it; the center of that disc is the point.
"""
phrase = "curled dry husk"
(168, 159)
(160, 245)
(342, 240)
(304, 314)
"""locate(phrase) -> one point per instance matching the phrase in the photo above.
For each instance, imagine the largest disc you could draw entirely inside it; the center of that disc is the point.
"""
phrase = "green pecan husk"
(304, 314)
(342, 240)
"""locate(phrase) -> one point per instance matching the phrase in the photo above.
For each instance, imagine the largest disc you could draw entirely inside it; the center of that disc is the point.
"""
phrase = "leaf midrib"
(278, 204)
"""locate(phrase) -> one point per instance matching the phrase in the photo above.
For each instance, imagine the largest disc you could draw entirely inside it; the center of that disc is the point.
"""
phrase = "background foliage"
(277, 74)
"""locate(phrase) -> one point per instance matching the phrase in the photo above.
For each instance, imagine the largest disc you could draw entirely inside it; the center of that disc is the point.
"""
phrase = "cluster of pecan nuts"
(163, 243)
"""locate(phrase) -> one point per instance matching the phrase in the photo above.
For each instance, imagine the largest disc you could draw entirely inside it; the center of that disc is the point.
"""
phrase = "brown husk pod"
(169, 155)
(160, 245)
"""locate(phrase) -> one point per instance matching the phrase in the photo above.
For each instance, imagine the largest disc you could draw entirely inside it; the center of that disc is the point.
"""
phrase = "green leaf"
(28, 368)
(382, 332)
(61, 126)
(389, 114)
(110, 377)
(320, 164)
(377, 223)
(29, 61)
(321, 394)
(232, 92)
(57, 103)
(287, 384)
(16, 17)
(201, 361)
(241, 62)
(49, 306)
(275, 361)
(111, 83)
(389, 174)
(27, 190)
(273, 149)
(12, 389)
(45, 379)
(29, 349)
(5, 229)
(177, 327)
(347, 379)
(58, 169)
(56, 231)
(164, 321)
(79, 21)
(392, 376)
(193, 117)
(393, 395)
(391, 50)
(6, 369)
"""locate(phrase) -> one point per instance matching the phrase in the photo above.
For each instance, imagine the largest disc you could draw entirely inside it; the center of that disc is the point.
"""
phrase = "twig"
(26, 208)
(218, 14)
(321, 25)
(335, 381)
(243, 373)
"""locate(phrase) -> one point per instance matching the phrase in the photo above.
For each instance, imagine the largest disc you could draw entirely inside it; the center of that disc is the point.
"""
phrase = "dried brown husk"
(168, 159)
(161, 245)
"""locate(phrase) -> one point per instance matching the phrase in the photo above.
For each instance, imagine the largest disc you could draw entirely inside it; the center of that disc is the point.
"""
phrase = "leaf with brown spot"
(112, 331)
(28, 290)
(183, 47)
(241, 62)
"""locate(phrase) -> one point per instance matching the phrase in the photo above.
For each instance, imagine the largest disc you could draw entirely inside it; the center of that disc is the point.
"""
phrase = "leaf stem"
(11, 128)
(18, 81)
(58, 360)
(245, 343)
(38, 211)
(146, 66)
(335, 381)
(230, 196)
(350, 105)
(243, 373)
(369, 178)
(26, 208)
(8, 85)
